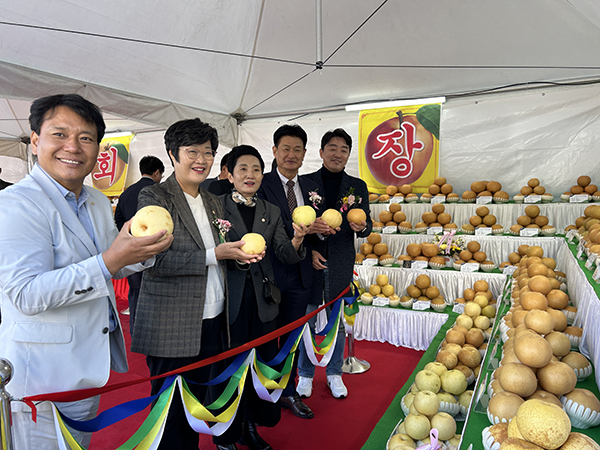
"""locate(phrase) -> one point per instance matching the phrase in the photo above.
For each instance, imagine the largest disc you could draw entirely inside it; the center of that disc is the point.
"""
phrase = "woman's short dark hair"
(242, 150)
(338, 132)
(75, 102)
(289, 130)
(190, 132)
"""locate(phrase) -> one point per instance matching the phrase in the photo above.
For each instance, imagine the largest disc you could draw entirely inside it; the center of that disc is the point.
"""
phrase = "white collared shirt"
(297, 191)
(214, 303)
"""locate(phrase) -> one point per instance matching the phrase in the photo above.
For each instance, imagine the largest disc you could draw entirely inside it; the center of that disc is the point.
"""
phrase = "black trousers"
(247, 327)
(178, 434)
(134, 281)
(294, 300)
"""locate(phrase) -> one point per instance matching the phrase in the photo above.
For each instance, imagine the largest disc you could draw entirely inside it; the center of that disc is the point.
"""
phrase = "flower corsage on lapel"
(315, 198)
(223, 226)
(349, 201)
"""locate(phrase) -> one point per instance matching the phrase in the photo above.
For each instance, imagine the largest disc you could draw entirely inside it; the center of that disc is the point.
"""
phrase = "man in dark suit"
(152, 170)
(285, 189)
(222, 175)
(333, 256)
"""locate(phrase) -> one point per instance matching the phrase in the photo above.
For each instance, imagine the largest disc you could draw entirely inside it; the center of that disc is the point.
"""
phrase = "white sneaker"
(338, 389)
(304, 387)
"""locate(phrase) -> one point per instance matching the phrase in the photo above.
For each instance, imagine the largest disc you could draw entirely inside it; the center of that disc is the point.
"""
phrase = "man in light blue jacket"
(59, 249)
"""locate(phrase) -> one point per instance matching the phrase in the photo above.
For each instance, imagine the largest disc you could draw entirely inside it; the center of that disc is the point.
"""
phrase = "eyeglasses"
(193, 154)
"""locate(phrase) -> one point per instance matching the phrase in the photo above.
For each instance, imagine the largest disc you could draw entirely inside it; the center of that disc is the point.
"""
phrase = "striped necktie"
(291, 196)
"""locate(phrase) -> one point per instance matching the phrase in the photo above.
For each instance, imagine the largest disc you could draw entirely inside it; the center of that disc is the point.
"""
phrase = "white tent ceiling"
(156, 62)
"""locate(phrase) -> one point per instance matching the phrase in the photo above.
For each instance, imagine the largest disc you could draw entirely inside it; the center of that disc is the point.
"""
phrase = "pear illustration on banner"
(398, 150)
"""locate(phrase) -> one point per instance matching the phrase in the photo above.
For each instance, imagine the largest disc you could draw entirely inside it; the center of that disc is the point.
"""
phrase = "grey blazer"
(168, 320)
(268, 223)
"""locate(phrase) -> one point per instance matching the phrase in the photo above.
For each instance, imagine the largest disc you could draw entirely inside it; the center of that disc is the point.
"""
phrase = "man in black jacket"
(333, 256)
(152, 170)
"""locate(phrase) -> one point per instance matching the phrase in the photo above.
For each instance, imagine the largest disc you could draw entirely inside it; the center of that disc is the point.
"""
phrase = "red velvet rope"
(71, 396)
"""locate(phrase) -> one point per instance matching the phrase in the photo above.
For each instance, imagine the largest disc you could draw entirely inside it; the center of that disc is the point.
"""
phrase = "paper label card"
(529, 232)
(435, 230)
(578, 198)
(469, 267)
(370, 262)
(381, 301)
(590, 261)
(421, 305)
(580, 249)
(438, 199)
(458, 308)
(389, 230)
(509, 270)
(596, 275)
(484, 200)
(419, 264)
(396, 199)
(533, 199)
(571, 235)
(483, 231)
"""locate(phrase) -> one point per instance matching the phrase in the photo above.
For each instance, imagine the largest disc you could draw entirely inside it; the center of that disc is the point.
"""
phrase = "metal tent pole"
(6, 441)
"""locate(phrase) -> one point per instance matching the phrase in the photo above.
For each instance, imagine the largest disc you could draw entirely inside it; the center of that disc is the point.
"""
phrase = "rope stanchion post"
(352, 364)
(6, 442)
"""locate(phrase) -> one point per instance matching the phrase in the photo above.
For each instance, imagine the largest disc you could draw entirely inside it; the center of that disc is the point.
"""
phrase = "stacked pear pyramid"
(540, 364)
(437, 217)
(533, 187)
(441, 190)
(533, 219)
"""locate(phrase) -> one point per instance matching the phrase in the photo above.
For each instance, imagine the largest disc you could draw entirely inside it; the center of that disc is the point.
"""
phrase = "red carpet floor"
(338, 423)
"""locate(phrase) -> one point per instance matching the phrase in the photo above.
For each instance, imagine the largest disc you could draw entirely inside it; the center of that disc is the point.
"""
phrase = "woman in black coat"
(250, 314)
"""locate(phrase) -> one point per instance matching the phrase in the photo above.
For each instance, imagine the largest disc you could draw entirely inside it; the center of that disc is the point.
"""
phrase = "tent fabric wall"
(551, 134)
(13, 160)
(25, 83)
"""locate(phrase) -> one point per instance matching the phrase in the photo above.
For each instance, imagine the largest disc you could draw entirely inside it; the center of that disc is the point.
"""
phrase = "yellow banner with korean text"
(110, 171)
(399, 145)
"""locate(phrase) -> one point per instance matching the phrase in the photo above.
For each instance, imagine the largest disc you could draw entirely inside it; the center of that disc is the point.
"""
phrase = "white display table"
(407, 328)
(560, 214)
(584, 297)
(400, 327)
(497, 248)
(416, 329)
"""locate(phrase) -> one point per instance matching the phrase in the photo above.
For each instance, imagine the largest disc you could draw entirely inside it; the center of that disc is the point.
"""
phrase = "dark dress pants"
(294, 300)
(134, 281)
(247, 327)
(178, 434)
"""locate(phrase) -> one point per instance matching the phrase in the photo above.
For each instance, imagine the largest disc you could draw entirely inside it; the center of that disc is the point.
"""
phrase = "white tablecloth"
(400, 327)
(497, 248)
(560, 214)
(416, 329)
(450, 283)
(585, 299)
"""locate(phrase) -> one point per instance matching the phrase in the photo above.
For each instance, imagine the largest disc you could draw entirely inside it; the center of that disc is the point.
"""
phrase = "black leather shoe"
(227, 447)
(297, 406)
(252, 439)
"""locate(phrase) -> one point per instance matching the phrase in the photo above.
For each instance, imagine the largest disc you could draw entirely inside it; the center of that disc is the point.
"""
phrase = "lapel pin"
(93, 204)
